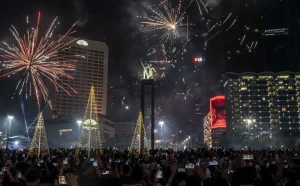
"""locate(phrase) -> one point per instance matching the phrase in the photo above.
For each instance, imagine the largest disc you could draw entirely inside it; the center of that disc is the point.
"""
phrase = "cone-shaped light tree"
(39, 144)
(139, 141)
(90, 131)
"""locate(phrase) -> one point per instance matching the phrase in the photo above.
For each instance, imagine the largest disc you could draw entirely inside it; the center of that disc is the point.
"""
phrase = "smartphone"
(92, 159)
(286, 165)
(62, 180)
(181, 169)
(19, 175)
(213, 163)
(268, 164)
(230, 172)
(247, 156)
(189, 166)
(55, 164)
(198, 162)
(41, 161)
(107, 172)
(65, 162)
(95, 164)
(159, 174)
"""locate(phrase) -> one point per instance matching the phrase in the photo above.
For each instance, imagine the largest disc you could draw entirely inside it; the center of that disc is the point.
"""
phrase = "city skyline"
(183, 83)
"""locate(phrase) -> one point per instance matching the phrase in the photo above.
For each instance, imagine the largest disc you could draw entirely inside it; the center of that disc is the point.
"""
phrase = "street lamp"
(249, 121)
(79, 122)
(161, 123)
(8, 130)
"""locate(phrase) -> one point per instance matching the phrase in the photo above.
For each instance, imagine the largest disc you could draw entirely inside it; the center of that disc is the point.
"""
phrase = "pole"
(143, 116)
(40, 135)
(140, 144)
(8, 134)
(161, 133)
(78, 132)
(89, 151)
(152, 114)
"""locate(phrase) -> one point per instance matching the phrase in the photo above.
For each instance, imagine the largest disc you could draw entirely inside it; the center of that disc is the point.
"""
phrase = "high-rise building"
(264, 103)
(91, 69)
(281, 35)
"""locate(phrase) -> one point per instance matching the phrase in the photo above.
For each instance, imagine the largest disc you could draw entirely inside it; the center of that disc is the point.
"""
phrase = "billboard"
(217, 112)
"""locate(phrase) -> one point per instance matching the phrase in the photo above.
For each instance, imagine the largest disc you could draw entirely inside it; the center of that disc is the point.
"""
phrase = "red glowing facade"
(217, 112)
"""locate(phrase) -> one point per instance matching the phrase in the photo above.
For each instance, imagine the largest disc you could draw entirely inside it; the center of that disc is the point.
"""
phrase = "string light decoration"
(207, 130)
(90, 132)
(39, 144)
(139, 141)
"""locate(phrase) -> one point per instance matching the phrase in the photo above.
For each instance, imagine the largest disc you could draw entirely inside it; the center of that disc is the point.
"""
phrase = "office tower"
(91, 69)
(264, 103)
(281, 35)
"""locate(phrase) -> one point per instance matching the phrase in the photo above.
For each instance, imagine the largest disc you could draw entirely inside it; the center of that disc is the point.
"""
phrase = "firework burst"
(37, 59)
(165, 23)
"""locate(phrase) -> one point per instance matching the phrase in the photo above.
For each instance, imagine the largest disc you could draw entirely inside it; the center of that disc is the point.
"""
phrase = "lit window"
(264, 98)
(280, 82)
(292, 98)
(244, 88)
(271, 104)
(248, 77)
(283, 109)
(281, 87)
(283, 76)
(290, 87)
(265, 77)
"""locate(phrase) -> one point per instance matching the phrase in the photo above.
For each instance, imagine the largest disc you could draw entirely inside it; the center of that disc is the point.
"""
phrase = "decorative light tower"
(139, 141)
(90, 133)
(39, 144)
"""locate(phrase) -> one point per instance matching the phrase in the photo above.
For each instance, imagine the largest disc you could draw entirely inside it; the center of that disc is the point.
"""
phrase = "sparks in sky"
(165, 24)
(36, 58)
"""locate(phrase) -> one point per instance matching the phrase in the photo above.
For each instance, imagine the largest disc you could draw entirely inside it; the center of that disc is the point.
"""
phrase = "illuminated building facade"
(91, 69)
(263, 103)
(217, 112)
(217, 119)
(207, 131)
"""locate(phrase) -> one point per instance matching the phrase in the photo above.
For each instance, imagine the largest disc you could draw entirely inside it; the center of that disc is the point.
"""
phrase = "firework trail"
(165, 23)
(37, 59)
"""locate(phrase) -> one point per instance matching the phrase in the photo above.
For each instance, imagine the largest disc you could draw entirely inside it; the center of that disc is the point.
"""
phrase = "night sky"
(116, 23)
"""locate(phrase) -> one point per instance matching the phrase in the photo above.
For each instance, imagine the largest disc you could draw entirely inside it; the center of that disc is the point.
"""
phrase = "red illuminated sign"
(217, 112)
(198, 59)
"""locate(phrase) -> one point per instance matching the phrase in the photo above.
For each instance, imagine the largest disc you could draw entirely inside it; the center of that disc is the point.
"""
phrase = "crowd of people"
(201, 167)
